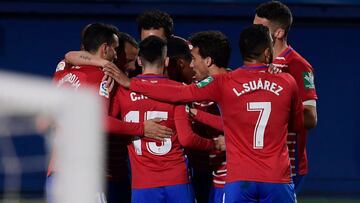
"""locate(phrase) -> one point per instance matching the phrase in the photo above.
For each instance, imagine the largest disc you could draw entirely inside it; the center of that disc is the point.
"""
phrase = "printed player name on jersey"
(70, 78)
(136, 97)
(259, 85)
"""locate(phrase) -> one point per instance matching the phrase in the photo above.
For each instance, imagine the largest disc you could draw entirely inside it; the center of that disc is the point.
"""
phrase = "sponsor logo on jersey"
(308, 80)
(103, 90)
(204, 82)
(60, 66)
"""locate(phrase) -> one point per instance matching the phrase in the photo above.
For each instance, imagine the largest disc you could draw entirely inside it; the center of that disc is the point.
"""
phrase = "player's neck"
(214, 70)
(253, 62)
(153, 70)
(217, 70)
(280, 46)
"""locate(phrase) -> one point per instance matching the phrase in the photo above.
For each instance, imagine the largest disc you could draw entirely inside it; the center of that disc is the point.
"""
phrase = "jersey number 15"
(164, 148)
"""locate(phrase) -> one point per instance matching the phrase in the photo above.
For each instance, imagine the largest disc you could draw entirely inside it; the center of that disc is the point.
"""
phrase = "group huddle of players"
(192, 129)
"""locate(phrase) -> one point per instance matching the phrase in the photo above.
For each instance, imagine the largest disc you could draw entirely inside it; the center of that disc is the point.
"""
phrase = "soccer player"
(179, 54)
(159, 172)
(211, 53)
(125, 60)
(156, 23)
(278, 18)
(257, 107)
(118, 185)
(100, 41)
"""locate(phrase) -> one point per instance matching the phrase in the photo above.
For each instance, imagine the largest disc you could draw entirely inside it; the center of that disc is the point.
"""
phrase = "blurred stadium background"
(35, 35)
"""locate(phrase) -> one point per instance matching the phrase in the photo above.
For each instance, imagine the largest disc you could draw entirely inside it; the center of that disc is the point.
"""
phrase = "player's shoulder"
(172, 82)
(287, 78)
(297, 61)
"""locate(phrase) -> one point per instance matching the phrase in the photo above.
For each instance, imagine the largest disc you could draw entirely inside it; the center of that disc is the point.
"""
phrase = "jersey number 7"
(265, 109)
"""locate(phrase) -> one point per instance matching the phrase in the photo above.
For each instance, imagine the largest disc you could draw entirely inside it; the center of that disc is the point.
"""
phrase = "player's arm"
(207, 89)
(84, 58)
(304, 76)
(187, 137)
(149, 128)
(206, 118)
(296, 119)
(310, 114)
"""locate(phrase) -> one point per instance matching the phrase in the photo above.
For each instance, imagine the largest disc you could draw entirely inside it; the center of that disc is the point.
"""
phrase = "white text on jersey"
(70, 78)
(259, 85)
(136, 97)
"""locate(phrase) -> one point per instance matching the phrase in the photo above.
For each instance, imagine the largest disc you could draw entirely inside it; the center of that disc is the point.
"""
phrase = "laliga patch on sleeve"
(308, 80)
(204, 82)
(60, 66)
(104, 91)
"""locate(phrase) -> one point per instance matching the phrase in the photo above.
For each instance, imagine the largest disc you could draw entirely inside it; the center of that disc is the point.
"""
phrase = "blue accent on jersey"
(287, 52)
(150, 76)
(176, 194)
(259, 192)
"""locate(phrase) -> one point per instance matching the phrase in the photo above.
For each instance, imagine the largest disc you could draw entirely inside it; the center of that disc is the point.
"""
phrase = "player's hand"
(152, 129)
(275, 68)
(109, 82)
(220, 143)
(118, 75)
(193, 111)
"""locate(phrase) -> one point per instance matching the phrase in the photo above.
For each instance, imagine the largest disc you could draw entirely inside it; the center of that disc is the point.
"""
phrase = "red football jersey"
(78, 77)
(61, 69)
(256, 108)
(153, 163)
(294, 64)
(199, 147)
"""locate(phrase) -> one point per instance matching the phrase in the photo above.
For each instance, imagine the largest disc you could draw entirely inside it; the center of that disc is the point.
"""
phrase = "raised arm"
(149, 128)
(187, 137)
(84, 58)
(208, 89)
(206, 118)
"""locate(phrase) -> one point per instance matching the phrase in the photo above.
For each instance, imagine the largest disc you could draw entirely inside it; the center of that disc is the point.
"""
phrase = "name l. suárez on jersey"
(258, 85)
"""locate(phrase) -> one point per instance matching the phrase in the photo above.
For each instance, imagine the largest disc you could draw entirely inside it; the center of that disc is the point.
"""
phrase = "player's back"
(153, 163)
(78, 77)
(260, 104)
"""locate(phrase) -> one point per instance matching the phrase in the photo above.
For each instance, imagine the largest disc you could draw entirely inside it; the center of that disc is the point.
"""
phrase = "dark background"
(35, 35)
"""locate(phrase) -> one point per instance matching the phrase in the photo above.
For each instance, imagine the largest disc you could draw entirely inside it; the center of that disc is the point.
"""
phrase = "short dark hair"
(212, 44)
(123, 38)
(253, 41)
(276, 12)
(155, 20)
(152, 49)
(97, 34)
(177, 48)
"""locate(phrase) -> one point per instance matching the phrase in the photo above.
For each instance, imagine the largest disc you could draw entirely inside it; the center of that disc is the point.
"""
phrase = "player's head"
(82, 35)
(211, 49)
(155, 22)
(256, 44)
(126, 52)
(276, 16)
(152, 52)
(101, 39)
(179, 60)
